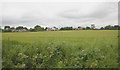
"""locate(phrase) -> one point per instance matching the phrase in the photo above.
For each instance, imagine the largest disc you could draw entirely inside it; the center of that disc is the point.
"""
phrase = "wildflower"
(96, 61)
(23, 65)
(48, 47)
(37, 48)
(45, 56)
(35, 56)
(75, 58)
(102, 56)
(24, 56)
(51, 52)
(95, 65)
(82, 58)
(82, 50)
(19, 54)
(50, 56)
(91, 66)
(27, 56)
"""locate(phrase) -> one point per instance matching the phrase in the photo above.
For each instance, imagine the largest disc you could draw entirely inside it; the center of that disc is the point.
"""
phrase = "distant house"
(20, 30)
(75, 28)
(80, 28)
(14, 30)
(52, 29)
(49, 29)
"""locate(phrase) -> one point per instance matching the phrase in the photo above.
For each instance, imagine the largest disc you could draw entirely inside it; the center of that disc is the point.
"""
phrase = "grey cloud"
(103, 14)
(98, 13)
(72, 15)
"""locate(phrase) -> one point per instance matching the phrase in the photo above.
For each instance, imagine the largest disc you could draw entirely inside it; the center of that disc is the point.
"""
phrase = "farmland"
(61, 49)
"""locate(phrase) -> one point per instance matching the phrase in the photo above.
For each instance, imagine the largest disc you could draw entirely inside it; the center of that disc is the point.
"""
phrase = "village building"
(80, 28)
(52, 29)
(14, 30)
(20, 30)
(48, 29)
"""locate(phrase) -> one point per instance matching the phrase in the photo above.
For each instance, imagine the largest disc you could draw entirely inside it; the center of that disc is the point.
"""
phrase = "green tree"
(116, 27)
(88, 28)
(102, 28)
(19, 27)
(66, 28)
(38, 28)
(46, 28)
(79, 27)
(109, 27)
(32, 30)
(92, 26)
(7, 27)
(12, 28)
(25, 28)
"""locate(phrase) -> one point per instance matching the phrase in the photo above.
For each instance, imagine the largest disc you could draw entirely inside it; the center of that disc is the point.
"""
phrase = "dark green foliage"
(19, 27)
(102, 28)
(66, 28)
(38, 28)
(12, 28)
(109, 27)
(25, 55)
(7, 27)
(88, 28)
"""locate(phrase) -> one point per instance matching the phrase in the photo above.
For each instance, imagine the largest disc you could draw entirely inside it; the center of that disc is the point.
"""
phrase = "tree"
(66, 28)
(12, 28)
(116, 27)
(7, 27)
(38, 28)
(19, 27)
(79, 27)
(32, 30)
(46, 28)
(109, 27)
(92, 26)
(102, 28)
(87, 28)
(25, 28)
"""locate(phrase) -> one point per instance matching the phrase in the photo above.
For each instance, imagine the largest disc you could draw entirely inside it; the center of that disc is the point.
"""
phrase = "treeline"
(39, 28)
(66, 28)
(22, 29)
(109, 27)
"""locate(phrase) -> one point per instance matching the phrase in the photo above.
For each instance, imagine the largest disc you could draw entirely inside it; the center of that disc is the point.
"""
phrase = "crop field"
(60, 49)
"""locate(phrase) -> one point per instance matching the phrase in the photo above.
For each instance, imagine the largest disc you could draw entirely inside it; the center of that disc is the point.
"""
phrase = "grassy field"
(61, 49)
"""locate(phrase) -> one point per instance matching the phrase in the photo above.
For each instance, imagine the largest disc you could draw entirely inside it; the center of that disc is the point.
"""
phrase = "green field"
(61, 49)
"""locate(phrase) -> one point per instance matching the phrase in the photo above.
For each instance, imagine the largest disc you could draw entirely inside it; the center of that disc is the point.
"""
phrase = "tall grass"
(62, 50)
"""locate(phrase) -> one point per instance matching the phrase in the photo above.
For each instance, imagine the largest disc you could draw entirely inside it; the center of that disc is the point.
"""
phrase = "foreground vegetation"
(61, 49)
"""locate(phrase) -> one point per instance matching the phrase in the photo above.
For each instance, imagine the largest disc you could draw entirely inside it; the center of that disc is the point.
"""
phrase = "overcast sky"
(60, 14)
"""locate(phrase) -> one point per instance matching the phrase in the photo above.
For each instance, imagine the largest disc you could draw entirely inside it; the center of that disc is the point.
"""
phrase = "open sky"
(59, 14)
